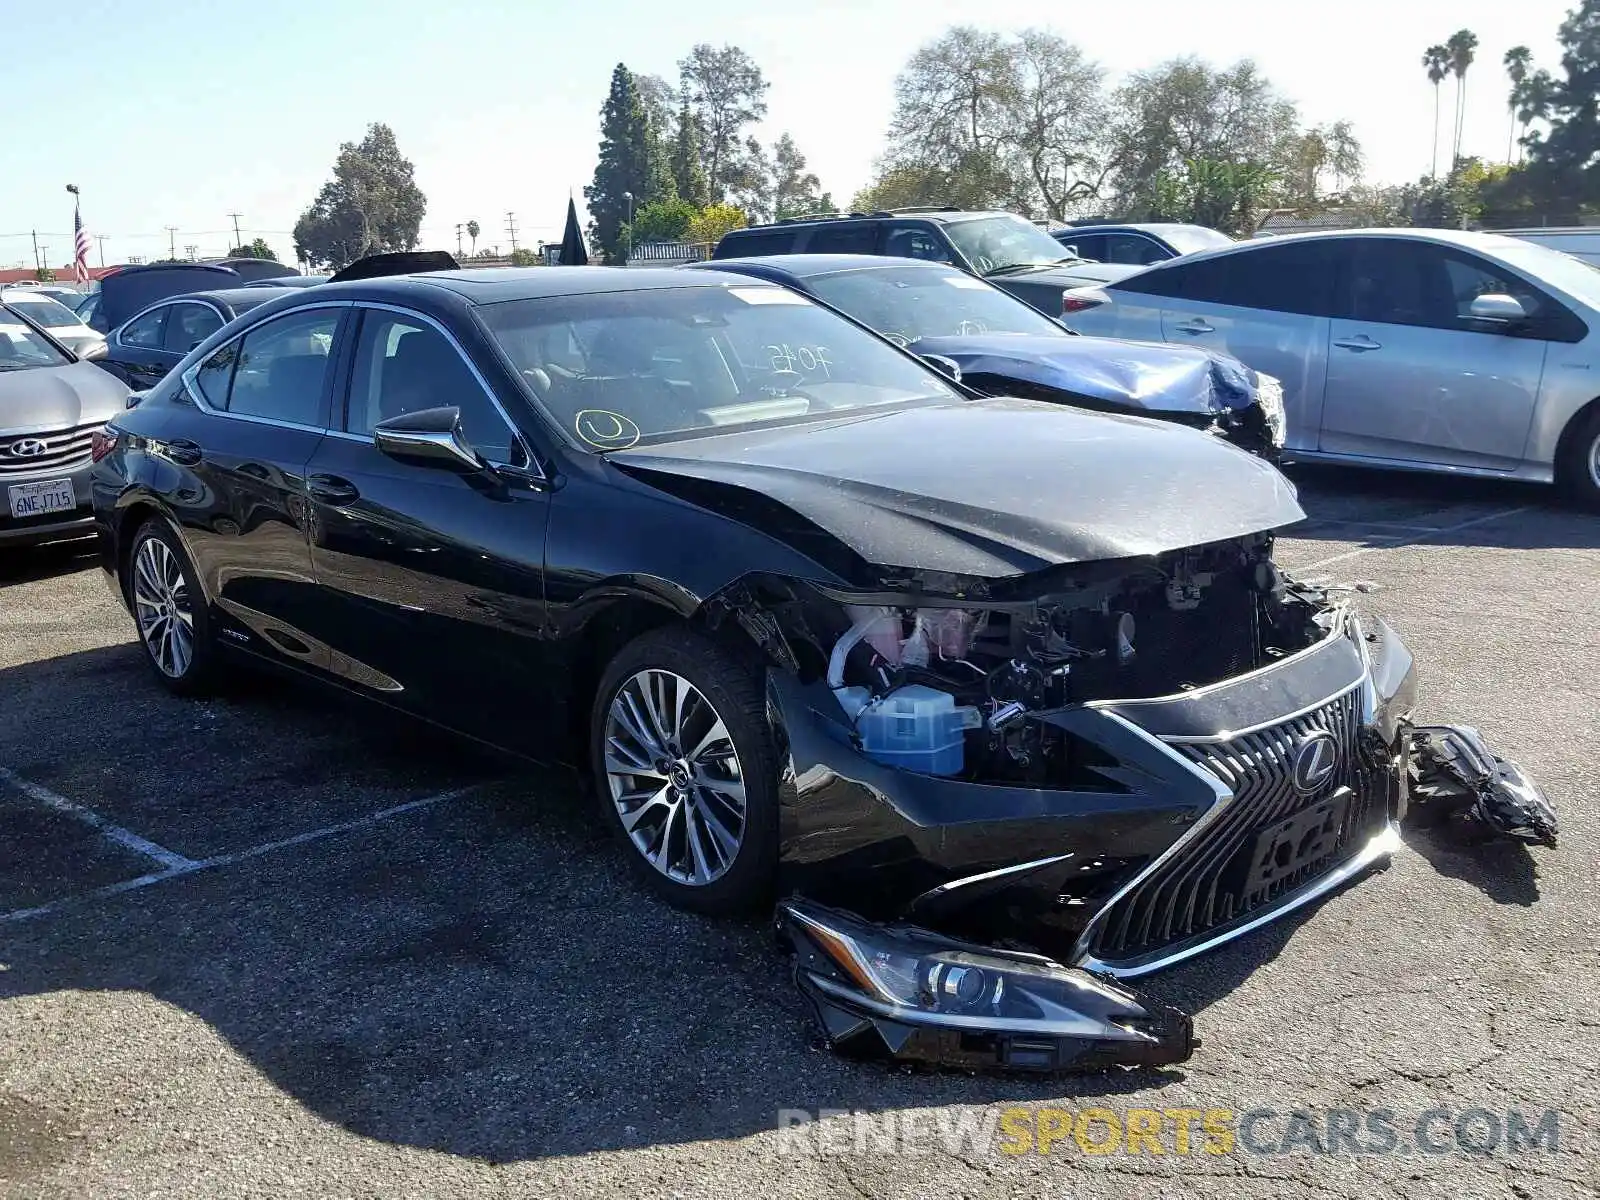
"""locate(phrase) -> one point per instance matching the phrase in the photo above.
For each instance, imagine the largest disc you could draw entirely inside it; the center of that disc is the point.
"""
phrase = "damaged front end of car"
(1000, 796)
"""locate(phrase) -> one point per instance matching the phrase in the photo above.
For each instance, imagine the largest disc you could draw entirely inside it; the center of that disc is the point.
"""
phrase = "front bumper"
(49, 527)
(1201, 838)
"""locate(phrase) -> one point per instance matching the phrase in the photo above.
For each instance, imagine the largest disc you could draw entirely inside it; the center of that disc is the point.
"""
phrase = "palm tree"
(1463, 45)
(472, 232)
(1437, 60)
(1517, 61)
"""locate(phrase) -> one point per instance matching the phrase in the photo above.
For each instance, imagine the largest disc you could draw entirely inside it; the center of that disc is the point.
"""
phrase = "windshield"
(1005, 243)
(22, 346)
(1578, 279)
(616, 369)
(1186, 239)
(911, 303)
(43, 310)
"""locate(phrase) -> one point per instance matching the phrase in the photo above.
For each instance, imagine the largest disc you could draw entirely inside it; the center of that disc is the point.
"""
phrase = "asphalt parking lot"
(277, 944)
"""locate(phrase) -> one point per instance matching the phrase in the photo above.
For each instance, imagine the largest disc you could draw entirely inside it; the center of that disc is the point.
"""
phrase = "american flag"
(80, 253)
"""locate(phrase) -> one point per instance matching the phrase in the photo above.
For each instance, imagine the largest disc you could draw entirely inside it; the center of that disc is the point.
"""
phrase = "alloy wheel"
(1594, 462)
(675, 777)
(162, 607)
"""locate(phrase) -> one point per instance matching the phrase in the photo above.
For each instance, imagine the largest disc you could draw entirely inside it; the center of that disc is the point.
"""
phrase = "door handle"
(183, 451)
(332, 489)
(1359, 343)
(1195, 325)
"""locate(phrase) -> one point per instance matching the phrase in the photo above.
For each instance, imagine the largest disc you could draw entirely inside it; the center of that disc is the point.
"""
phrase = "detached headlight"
(1008, 1009)
(1269, 394)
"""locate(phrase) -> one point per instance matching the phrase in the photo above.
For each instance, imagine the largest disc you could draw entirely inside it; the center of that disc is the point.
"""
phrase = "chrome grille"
(64, 450)
(1209, 883)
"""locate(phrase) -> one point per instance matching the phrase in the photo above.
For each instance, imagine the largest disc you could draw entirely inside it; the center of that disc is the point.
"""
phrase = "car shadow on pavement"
(33, 563)
(1502, 870)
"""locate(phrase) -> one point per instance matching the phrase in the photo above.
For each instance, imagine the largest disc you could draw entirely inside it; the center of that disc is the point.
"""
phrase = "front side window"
(190, 324)
(910, 303)
(23, 347)
(145, 331)
(282, 368)
(1400, 282)
(1004, 243)
(402, 365)
(620, 368)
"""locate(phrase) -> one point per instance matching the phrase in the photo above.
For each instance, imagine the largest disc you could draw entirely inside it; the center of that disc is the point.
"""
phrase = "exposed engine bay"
(942, 679)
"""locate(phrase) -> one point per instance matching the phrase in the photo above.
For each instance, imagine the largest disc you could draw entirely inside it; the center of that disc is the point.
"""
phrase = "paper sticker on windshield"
(771, 295)
(966, 281)
(606, 430)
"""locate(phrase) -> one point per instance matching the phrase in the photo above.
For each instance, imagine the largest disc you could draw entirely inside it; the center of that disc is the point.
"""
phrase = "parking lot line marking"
(189, 866)
(1396, 543)
(125, 838)
(1375, 525)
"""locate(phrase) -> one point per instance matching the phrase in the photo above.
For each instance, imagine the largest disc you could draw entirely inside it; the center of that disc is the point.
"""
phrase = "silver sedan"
(1422, 349)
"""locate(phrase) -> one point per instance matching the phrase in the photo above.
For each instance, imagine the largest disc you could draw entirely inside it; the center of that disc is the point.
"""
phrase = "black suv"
(1009, 251)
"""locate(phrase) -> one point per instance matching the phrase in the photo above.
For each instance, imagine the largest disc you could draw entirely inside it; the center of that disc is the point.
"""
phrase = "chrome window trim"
(191, 373)
(517, 439)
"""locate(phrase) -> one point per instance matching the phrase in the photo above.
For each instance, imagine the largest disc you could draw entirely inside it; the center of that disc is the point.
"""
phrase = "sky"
(180, 112)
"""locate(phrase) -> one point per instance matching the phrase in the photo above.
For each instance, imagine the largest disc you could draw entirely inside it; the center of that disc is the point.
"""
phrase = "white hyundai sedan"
(1422, 349)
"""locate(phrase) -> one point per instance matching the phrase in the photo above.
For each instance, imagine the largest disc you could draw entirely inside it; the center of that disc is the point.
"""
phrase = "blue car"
(996, 344)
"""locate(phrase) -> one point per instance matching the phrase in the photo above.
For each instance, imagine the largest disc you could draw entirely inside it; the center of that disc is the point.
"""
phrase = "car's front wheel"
(686, 771)
(1578, 463)
(169, 610)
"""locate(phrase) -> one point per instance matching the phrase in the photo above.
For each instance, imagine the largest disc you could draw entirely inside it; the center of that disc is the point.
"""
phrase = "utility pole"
(511, 230)
(172, 243)
(458, 239)
(38, 263)
(238, 239)
(101, 238)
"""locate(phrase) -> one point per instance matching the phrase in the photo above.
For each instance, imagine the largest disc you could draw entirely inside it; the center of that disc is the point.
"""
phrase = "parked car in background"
(143, 350)
(1580, 241)
(56, 291)
(1003, 347)
(1138, 245)
(1011, 253)
(1421, 349)
(52, 403)
(128, 290)
(253, 269)
(56, 319)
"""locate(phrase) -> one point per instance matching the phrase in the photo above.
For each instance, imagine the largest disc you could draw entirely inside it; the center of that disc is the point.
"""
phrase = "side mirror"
(98, 350)
(948, 367)
(1503, 309)
(134, 398)
(428, 437)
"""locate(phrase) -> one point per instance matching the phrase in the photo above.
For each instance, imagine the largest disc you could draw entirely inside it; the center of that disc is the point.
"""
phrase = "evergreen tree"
(625, 166)
(688, 174)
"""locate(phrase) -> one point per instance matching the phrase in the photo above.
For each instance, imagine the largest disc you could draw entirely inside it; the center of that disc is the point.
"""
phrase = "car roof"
(804, 266)
(235, 298)
(1466, 238)
(938, 215)
(491, 285)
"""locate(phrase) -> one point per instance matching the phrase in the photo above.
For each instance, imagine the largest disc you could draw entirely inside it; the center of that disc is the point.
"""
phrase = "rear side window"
(842, 237)
(282, 368)
(747, 243)
(145, 331)
(1295, 277)
(190, 324)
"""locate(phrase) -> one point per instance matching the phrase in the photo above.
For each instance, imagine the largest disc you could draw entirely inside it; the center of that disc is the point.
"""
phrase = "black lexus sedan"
(937, 671)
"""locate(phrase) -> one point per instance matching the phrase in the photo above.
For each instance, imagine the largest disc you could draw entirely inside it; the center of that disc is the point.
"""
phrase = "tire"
(1578, 461)
(677, 816)
(169, 611)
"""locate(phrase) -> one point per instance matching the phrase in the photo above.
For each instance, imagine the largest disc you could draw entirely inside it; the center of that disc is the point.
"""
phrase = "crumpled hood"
(991, 488)
(1143, 375)
(59, 397)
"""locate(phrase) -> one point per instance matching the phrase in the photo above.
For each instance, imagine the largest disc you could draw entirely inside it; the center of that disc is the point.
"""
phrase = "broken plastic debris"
(1455, 769)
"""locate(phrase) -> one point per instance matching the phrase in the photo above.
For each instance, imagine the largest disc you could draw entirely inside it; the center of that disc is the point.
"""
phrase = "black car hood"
(1139, 375)
(990, 488)
(64, 397)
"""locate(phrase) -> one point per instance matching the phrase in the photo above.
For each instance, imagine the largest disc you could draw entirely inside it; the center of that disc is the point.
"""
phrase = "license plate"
(1310, 834)
(46, 496)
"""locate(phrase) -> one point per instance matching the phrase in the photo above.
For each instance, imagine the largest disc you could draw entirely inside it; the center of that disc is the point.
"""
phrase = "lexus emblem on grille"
(27, 448)
(1315, 761)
